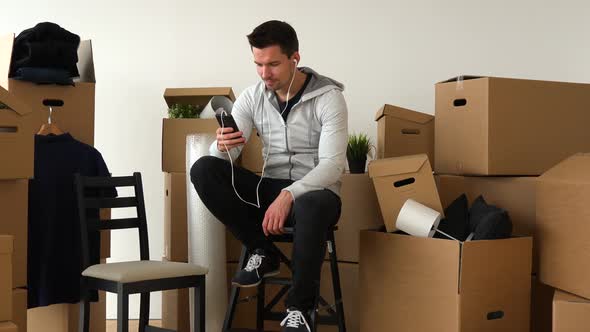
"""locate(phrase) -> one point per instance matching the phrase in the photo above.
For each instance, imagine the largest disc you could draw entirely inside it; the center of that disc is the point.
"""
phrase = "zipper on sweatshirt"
(290, 154)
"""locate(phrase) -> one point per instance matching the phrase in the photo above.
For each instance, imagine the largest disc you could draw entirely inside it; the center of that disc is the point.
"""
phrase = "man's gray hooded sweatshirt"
(310, 148)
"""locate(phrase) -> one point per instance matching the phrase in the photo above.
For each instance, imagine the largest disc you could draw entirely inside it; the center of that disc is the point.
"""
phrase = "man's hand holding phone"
(229, 139)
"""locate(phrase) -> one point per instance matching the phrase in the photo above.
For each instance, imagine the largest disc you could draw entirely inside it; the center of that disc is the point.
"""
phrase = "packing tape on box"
(417, 219)
(206, 240)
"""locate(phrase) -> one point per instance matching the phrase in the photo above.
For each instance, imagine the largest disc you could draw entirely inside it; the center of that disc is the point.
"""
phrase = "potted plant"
(187, 111)
(359, 146)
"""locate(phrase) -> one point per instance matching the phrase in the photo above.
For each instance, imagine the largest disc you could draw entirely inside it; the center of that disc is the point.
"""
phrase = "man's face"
(273, 66)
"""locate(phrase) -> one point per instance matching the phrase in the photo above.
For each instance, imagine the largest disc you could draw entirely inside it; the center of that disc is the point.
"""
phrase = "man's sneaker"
(260, 265)
(296, 321)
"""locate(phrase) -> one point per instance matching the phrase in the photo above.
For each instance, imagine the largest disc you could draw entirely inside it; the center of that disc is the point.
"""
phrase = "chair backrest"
(91, 196)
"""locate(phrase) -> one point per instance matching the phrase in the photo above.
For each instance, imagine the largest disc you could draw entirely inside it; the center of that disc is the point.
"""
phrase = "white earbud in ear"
(295, 60)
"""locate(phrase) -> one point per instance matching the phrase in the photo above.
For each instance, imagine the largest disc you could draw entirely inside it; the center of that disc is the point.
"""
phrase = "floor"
(133, 325)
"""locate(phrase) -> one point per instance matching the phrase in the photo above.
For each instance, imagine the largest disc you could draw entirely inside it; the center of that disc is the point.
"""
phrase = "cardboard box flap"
(506, 264)
(403, 113)
(463, 78)
(195, 96)
(561, 296)
(6, 244)
(13, 103)
(85, 63)
(574, 169)
(6, 42)
(396, 165)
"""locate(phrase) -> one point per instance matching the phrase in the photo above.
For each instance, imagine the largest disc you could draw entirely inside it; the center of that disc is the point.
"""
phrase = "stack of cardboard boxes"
(494, 137)
(16, 125)
(500, 138)
(422, 284)
(175, 303)
(24, 109)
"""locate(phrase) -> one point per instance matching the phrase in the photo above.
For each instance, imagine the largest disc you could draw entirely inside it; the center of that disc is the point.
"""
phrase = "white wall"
(383, 51)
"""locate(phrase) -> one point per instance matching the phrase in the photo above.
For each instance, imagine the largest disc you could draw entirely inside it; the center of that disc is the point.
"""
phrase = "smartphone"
(226, 121)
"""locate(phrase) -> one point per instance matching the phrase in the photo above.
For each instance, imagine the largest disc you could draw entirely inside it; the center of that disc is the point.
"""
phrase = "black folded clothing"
(44, 75)
(47, 45)
(456, 218)
(488, 222)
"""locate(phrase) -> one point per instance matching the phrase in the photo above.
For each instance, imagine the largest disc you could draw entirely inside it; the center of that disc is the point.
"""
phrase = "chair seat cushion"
(142, 271)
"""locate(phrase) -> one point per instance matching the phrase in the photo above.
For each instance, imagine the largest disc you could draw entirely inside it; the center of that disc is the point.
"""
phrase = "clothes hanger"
(49, 127)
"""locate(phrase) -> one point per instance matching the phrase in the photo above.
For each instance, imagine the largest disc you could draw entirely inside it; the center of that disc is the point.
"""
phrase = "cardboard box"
(570, 313)
(541, 306)
(16, 141)
(175, 217)
(6, 248)
(19, 308)
(64, 317)
(360, 211)
(245, 314)
(501, 126)
(563, 214)
(176, 310)
(402, 132)
(251, 157)
(8, 327)
(14, 200)
(400, 178)
(174, 131)
(76, 116)
(514, 194)
(476, 286)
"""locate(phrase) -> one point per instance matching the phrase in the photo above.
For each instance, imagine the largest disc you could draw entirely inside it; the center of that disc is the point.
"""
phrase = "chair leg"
(234, 295)
(260, 295)
(144, 311)
(199, 306)
(336, 283)
(122, 311)
(84, 320)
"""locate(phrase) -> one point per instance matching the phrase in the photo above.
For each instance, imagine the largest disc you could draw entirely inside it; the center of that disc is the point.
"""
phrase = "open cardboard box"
(76, 116)
(513, 194)
(174, 131)
(410, 284)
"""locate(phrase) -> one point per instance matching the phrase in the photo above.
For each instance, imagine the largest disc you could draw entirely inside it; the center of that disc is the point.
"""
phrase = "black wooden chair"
(143, 276)
(265, 311)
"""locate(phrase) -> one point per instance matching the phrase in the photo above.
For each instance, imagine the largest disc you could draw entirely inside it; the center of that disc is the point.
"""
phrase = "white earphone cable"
(267, 151)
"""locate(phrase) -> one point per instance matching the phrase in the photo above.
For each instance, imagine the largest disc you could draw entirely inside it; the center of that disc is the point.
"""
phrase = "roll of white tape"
(417, 219)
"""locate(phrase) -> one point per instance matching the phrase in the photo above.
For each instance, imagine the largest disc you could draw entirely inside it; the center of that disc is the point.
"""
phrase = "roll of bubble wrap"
(206, 240)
